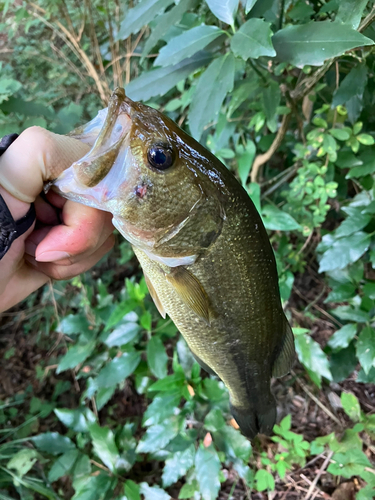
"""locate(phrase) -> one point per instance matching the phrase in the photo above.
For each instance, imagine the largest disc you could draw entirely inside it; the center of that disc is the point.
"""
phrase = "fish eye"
(160, 157)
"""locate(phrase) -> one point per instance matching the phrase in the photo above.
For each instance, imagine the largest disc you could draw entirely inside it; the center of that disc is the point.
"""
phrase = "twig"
(317, 477)
(316, 401)
(263, 158)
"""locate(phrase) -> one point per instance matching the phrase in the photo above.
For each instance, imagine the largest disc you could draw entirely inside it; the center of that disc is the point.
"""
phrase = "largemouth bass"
(204, 251)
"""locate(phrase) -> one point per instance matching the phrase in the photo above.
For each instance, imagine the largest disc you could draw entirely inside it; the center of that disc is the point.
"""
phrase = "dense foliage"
(282, 91)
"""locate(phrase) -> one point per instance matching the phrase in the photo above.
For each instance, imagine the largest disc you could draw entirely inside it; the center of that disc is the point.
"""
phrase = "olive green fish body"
(205, 253)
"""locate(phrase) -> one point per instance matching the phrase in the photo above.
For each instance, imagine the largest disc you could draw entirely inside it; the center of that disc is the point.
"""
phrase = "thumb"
(36, 157)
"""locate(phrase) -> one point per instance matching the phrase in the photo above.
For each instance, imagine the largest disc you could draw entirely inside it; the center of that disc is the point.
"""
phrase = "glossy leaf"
(350, 12)
(249, 5)
(314, 42)
(210, 92)
(344, 251)
(75, 419)
(161, 407)
(94, 488)
(144, 12)
(153, 492)
(177, 465)
(160, 80)
(253, 39)
(156, 357)
(224, 9)
(276, 220)
(63, 465)
(311, 356)
(158, 436)
(187, 44)
(342, 338)
(104, 445)
(76, 354)
(132, 490)
(207, 467)
(53, 443)
(124, 333)
(366, 348)
(351, 87)
(351, 406)
(118, 369)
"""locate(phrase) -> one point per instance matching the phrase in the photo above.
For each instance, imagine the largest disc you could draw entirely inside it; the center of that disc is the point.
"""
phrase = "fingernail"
(52, 256)
(30, 248)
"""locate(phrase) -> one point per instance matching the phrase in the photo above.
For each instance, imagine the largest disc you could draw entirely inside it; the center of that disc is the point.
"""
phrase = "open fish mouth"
(94, 179)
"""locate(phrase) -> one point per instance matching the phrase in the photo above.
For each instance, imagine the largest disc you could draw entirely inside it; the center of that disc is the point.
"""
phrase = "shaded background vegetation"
(100, 398)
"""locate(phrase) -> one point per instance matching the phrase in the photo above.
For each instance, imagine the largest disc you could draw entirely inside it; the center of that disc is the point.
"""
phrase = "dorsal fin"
(285, 359)
(191, 292)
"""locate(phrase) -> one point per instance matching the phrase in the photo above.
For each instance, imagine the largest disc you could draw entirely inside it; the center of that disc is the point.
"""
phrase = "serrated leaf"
(104, 444)
(144, 12)
(311, 356)
(342, 338)
(76, 354)
(350, 12)
(233, 443)
(63, 465)
(223, 9)
(366, 348)
(160, 80)
(253, 39)
(75, 419)
(53, 443)
(161, 408)
(153, 492)
(351, 406)
(118, 369)
(177, 466)
(214, 420)
(210, 92)
(314, 42)
(276, 220)
(158, 436)
(344, 251)
(187, 44)
(156, 357)
(207, 469)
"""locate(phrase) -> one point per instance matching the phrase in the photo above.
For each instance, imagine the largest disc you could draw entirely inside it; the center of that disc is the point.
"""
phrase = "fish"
(204, 251)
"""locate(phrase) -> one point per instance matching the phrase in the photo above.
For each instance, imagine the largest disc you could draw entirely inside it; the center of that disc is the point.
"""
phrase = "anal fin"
(154, 296)
(285, 358)
(190, 290)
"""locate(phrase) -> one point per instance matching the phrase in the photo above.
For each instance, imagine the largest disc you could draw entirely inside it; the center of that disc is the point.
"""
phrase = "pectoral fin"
(204, 365)
(284, 361)
(154, 296)
(191, 292)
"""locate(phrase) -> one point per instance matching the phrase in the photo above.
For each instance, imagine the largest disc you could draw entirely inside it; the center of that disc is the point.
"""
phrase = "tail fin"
(255, 419)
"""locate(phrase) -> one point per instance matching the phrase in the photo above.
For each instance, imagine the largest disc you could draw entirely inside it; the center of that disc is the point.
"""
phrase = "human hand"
(68, 237)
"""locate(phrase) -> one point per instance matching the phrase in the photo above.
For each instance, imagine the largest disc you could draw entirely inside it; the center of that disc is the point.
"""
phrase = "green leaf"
(339, 134)
(343, 362)
(27, 108)
(341, 293)
(348, 464)
(189, 489)
(153, 492)
(224, 9)
(170, 383)
(350, 12)
(366, 348)
(264, 480)
(53, 443)
(362, 170)
(253, 39)
(75, 419)
(23, 461)
(243, 93)
(233, 443)
(366, 378)
(344, 251)
(94, 488)
(245, 162)
(311, 356)
(351, 406)
(74, 324)
(103, 395)
(123, 334)
(207, 469)
(156, 357)
(165, 21)
(187, 44)
(132, 490)
(144, 12)
(353, 85)
(76, 354)
(161, 408)
(63, 465)
(158, 436)
(214, 420)
(210, 92)
(342, 338)
(314, 42)
(177, 466)
(356, 221)
(104, 444)
(276, 220)
(118, 369)
(365, 139)
(249, 5)
(159, 81)
(352, 314)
